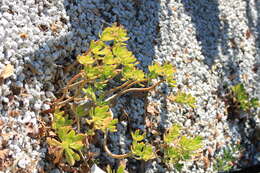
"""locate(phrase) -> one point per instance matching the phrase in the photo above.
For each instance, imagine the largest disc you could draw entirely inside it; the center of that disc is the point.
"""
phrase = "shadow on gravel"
(205, 17)
(212, 32)
(87, 19)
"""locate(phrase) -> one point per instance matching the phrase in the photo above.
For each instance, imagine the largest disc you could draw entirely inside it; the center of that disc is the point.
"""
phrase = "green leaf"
(90, 93)
(125, 56)
(80, 111)
(115, 33)
(121, 168)
(143, 151)
(190, 144)
(183, 98)
(133, 74)
(69, 141)
(172, 134)
(172, 154)
(59, 120)
(137, 136)
(85, 59)
(167, 71)
(254, 102)
(242, 97)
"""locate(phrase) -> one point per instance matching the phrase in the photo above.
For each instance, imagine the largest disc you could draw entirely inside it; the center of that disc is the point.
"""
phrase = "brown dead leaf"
(5, 160)
(24, 35)
(14, 113)
(4, 153)
(206, 162)
(55, 152)
(43, 27)
(174, 8)
(232, 77)
(7, 71)
(248, 34)
(1, 122)
(233, 43)
(54, 27)
(151, 108)
(41, 170)
(210, 151)
(219, 116)
(32, 130)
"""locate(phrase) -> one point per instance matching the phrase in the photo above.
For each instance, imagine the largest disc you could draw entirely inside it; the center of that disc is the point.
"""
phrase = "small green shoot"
(242, 98)
(179, 148)
(183, 98)
(225, 161)
(120, 169)
(70, 142)
(141, 150)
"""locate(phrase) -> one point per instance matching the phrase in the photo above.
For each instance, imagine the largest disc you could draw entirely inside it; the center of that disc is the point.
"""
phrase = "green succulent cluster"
(225, 162)
(241, 97)
(93, 96)
(179, 148)
(141, 150)
(69, 140)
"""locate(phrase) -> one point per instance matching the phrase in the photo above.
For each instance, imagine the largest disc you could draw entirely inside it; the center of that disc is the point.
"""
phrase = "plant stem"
(115, 156)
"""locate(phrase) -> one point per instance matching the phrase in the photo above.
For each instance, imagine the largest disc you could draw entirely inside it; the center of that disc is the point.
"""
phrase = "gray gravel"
(212, 43)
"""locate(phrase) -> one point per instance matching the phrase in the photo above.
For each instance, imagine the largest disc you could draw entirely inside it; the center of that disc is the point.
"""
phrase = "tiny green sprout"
(179, 148)
(70, 142)
(183, 98)
(120, 169)
(167, 71)
(102, 119)
(242, 98)
(59, 120)
(137, 136)
(142, 150)
(172, 134)
(115, 33)
(225, 161)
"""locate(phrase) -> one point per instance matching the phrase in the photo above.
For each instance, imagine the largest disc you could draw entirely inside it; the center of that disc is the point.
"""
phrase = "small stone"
(23, 163)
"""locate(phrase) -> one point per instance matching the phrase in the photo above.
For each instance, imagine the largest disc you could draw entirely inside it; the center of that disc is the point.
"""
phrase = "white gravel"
(211, 42)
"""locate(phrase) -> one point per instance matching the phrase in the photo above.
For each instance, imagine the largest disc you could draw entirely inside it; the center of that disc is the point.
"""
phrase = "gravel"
(213, 44)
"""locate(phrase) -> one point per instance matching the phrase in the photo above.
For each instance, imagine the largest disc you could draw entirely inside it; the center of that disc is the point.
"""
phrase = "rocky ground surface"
(214, 44)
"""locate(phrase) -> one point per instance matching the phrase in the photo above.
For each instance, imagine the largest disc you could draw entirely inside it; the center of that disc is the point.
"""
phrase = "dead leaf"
(210, 151)
(151, 108)
(219, 116)
(232, 77)
(1, 123)
(4, 153)
(14, 113)
(233, 43)
(24, 35)
(174, 8)
(32, 130)
(206, 162)
(248, 34)
(54, 28)
(7, 71)
(43, 27)
(55, 151)
(5, 160)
